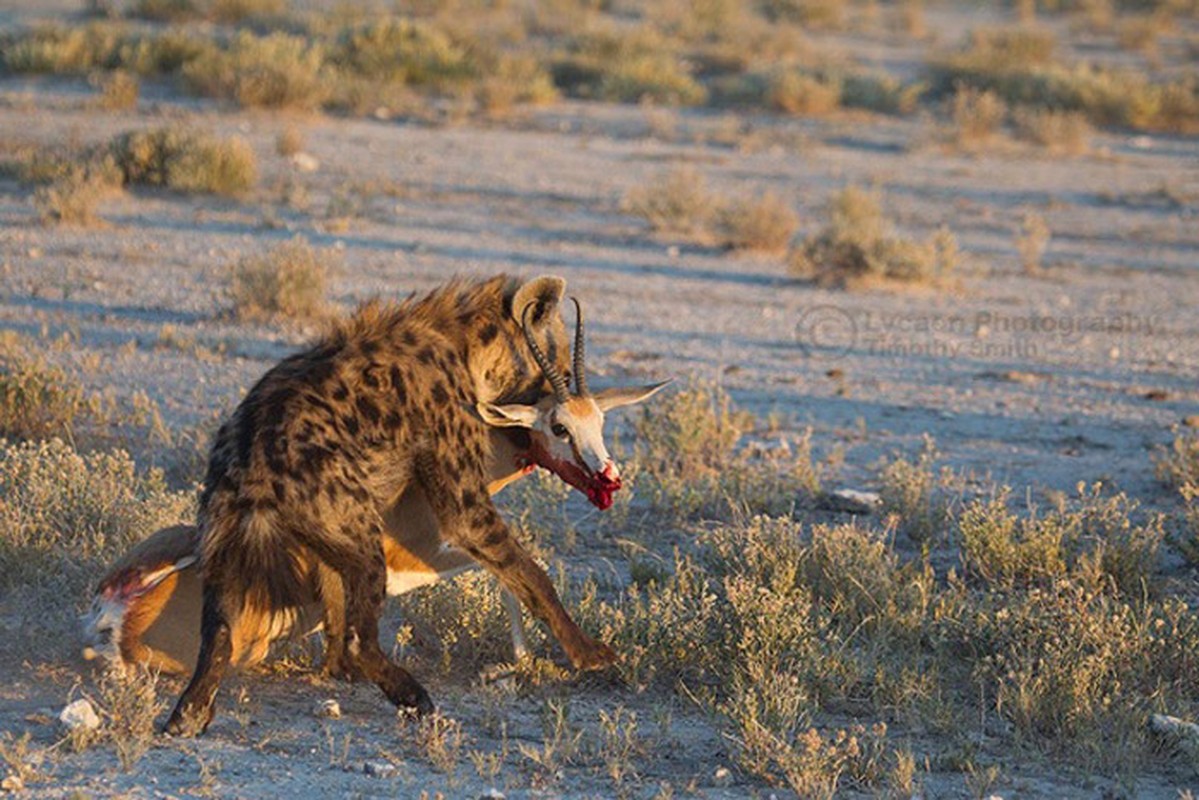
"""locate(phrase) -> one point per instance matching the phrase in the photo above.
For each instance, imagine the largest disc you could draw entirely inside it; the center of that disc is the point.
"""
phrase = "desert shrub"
(916, 495)
(1094, 541)
(1032, 239)
(858, 245)
(56, 50)
(185, 161)
(72, 199)
(405, 51)
(273, 71)
(795, 92)
(165, 10)
(464, 621)
(692, 459)
(289, 280)
(1022, 46)
(64, 515)
(1178, 465)
(1058, 131)
(289, 142)
(118, 90)
(37, 399)
(977, 116)
(827, 14)
(513, 80)
(627, 67)
(764, 223)
(127, 703)
(677, 201)
(235, 11)
(881, 93)
(1077, 671)
(163, 53)
(1107, 96)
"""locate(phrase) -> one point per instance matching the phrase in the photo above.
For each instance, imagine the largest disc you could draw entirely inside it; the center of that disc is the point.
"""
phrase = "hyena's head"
(566, 427)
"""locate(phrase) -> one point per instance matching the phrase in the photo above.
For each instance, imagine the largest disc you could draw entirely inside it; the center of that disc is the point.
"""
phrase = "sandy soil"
(1039, 382)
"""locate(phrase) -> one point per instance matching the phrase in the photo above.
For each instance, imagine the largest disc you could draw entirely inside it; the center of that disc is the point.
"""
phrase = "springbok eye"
(559, 430)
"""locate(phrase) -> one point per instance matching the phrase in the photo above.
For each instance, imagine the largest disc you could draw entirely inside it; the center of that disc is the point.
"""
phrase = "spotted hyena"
(398, 396)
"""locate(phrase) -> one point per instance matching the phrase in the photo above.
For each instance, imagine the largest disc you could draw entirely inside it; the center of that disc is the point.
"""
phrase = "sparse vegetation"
(287, 281)
(977, 116)
(858, 246)
(273, 71)
(1066, 132)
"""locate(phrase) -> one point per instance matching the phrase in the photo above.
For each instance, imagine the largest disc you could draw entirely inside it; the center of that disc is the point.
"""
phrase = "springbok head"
(567, 428)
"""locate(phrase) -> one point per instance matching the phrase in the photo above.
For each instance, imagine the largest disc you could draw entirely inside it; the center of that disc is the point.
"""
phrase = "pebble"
(379, 769)
(722, 777)
(851, 501)
(79, 714)
(330, 709)
(305, 162)
(493, 794)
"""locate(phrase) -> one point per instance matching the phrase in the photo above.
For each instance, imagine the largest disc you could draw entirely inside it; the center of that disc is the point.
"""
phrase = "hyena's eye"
(559, 430)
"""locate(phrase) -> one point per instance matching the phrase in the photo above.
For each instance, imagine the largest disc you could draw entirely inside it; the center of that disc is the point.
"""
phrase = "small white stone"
(722, 777)
(851, 501)
(79, 714)
(673, 251)
(379, 769)
(330, 709)
(305, 162)
(493, 794)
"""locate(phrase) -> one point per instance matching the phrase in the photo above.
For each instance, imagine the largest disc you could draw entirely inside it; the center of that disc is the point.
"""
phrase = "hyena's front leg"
(469, 520)
(194, 710)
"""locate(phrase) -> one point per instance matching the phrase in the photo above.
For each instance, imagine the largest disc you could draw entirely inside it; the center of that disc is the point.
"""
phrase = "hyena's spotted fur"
(327, 438)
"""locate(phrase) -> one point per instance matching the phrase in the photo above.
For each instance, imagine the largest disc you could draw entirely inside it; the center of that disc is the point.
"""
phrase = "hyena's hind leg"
(363, 573)
(338, 663)
(194, 710)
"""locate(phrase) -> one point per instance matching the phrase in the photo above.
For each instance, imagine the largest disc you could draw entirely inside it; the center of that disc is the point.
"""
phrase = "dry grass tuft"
(858, 246)
(128, 704)
(288, 281)
(1032, 239)
(73, 198)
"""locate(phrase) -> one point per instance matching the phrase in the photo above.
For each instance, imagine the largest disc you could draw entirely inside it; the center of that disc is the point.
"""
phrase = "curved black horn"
(561, 390)
(580, 360)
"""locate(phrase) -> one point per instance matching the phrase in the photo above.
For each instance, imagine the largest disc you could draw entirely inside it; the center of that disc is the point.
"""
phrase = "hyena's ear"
(508, 416)
(626, 395)
(545, 293)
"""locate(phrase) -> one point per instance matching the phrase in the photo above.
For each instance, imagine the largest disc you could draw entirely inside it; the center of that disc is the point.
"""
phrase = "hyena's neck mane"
(477, 319)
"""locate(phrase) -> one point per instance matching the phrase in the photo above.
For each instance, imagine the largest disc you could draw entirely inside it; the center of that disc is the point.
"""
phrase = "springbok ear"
(510, 416)
(545, 293)
(626, 395)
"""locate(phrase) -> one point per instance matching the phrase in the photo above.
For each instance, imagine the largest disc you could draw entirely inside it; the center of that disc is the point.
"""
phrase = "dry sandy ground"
(1040, 382)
